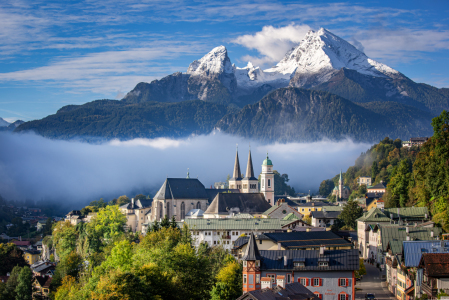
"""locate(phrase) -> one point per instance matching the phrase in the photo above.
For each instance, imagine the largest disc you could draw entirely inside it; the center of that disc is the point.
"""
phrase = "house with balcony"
(329, 274)
(434, 269)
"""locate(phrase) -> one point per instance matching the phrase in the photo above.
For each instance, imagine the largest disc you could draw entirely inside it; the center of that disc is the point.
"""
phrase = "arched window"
(161, 210)
(183, 210)
(198, 205)
(168, 210)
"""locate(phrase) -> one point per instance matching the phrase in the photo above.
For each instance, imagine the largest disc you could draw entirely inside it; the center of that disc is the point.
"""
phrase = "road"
(371, 283)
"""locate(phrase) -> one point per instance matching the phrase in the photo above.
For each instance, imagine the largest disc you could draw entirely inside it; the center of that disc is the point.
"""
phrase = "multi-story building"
(280, 210)
(386, 217)
(324, 218)
(308, 207)
(433, 272)
(364, 180)
(306, 240)
(378, 188)
(329, 274)
(227, 230)
(135, 212)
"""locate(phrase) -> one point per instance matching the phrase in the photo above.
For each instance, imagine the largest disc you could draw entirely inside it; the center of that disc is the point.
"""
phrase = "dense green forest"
(416, 176)
(99, 260)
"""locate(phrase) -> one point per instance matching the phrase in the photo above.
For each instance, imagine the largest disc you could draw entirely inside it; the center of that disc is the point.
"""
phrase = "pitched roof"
(281, 206)
(44, 281)
(291, 216)
(252, 252)
(299, 239)
(398, 233)
(195, 212)
(325, 214)
(243, 240)
(138, 204)
(246, 203)
(314, 204)
(413, 250)
(435, 264)
(294, 291)
(332, 207)
(21, 243)
(407, 213)
(243, 216)
(374, 215)
(395, 247)
(236, 224)
(339, 260)
(181, 188)
(212, 193)
(378, 186)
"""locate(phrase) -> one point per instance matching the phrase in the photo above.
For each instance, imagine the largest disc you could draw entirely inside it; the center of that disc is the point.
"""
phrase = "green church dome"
(267, 161)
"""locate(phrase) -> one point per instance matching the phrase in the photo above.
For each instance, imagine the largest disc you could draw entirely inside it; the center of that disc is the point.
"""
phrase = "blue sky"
(55, 53)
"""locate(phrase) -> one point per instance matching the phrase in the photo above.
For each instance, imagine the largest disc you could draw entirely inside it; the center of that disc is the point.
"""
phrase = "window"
(257, 278)
(183, 210)
(260, 242)
(343, 282)
(263, 183)
(343, 297)
(198, 205)
(303, 281)
(316, 282)
(298, 264)
(318, 295)
(160, 212)
(323, 264)
(245, 263)
(269, 182)
(244, 278)
(257, 263)
(289, 278)
(272, 276)
(168, 210)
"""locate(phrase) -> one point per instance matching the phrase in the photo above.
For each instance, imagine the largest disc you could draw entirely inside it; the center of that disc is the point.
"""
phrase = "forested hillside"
(416, 176)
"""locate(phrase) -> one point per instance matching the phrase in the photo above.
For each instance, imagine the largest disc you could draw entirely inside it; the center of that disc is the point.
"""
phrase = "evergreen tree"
(165, 222)
(173, 223)
(374, 170)
(351, 212)
(24, 286)
(9, 292)
(156, 226)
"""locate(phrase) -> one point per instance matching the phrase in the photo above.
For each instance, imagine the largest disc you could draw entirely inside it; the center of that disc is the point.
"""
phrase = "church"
(342, 191)
(178, 196)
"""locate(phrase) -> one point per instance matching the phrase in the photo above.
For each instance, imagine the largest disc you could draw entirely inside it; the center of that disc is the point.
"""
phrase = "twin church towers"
(249, 183)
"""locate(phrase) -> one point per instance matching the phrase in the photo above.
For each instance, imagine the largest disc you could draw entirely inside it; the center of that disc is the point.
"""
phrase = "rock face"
(292, 114)
(321, 61)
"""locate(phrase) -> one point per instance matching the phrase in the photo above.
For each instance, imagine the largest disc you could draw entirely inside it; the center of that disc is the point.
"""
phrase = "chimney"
(407, 229)
(322, 248)
(285, 260)
(132, 202)
(266, 283)
(280, 281)
(425, 216)
(279, 246)
(431, 233)
(408, 238)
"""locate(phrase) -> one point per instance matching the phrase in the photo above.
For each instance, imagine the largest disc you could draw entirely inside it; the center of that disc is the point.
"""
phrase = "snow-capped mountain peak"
(214, 62)
(321, 53)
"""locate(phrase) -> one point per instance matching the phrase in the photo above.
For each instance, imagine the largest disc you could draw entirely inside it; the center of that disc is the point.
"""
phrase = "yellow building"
(401, 284)
(31, 256)
(307, 208)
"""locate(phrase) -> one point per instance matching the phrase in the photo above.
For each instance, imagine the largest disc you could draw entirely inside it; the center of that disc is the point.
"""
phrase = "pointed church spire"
(340, 175)
(249, 167)
(237, 173)
(252, 252)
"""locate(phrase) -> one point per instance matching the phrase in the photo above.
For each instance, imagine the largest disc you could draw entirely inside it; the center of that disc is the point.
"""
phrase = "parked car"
(370, 296)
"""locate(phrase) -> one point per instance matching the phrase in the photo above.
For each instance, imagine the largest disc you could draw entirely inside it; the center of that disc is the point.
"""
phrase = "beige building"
(364, 180)
(135, 213)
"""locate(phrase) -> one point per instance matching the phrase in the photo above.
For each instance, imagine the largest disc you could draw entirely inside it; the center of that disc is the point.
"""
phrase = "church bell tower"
(236, 181)
(267, 181)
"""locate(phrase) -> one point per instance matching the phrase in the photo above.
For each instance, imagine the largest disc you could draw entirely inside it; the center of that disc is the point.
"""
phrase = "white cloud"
(273, 42)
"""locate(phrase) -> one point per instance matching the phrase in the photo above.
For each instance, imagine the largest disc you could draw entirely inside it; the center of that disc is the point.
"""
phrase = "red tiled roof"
(280, 277)
(435, 264)
(266, 279)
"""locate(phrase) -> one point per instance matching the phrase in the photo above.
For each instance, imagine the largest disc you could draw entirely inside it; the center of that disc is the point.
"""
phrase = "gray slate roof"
(247, 203)
(237, 174)
(212, 193)
(377, 186)
(339, 260)
(299, 239)
(181, 188)
(325, 214)
(138, 204)
(293, 290)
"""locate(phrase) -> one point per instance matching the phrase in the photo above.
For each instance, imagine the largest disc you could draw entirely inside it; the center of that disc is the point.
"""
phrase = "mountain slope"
(3, 123)
(292, 114)
(107, 119)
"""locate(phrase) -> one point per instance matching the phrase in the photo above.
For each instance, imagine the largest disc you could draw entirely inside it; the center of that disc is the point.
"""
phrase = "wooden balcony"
(429, 290)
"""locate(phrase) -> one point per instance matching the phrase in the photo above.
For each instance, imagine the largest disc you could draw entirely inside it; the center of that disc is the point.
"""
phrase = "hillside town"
(285, 245)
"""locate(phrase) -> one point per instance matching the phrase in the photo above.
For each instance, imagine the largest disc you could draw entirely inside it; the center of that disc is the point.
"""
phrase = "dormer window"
(245, 263)
(257, 263)
(323, 264)
(298, 264)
